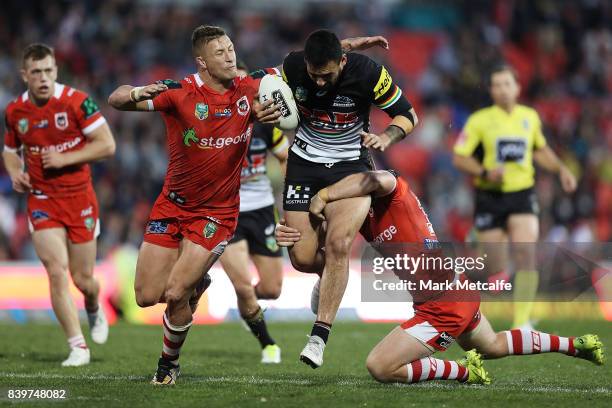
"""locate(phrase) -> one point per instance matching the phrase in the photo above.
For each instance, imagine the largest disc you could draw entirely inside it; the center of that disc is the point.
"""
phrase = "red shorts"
(77, 213)
(438, 324)
(168, 224)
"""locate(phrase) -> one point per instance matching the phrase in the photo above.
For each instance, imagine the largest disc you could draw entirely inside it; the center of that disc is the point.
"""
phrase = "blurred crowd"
(440, 52)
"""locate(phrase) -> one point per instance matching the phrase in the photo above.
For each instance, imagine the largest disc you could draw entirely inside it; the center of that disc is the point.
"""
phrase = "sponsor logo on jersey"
(511, 150)
(271, 244)
(190, 136)
(223, 113)
(526, 124)
(386, 235)
(22, 125)
(157, 227)
(383, 84)
(297, 194)
(209, 230)
(39, 215)
(445, 340)
(90, 223)
(61, 120)
(43, 124)
(343, 102)
(269, 229)
(56, 148)
(201, 111)
(243, 105)
(301, 94)
(431, 244)
(89, 107)
(87, 211)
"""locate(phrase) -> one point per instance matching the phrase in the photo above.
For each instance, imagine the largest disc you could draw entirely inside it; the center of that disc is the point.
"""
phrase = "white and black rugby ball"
(273, 87)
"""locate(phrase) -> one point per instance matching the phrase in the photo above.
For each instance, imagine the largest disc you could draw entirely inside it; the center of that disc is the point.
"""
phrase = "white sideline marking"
(301, 381)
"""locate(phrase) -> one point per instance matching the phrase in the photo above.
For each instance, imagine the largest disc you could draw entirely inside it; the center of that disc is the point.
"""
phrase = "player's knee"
(57, 272)
(84, 283)
(176, 295)
(268, 290)
(340, 246)
(145, 298)
(377, 369)
(243, 290)
(302, 262)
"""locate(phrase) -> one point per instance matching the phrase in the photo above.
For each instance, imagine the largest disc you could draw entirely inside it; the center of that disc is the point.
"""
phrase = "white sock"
(77, 341)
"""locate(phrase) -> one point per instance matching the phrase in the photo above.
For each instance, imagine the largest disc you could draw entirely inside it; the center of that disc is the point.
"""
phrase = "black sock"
(321, 329)
(258, 327)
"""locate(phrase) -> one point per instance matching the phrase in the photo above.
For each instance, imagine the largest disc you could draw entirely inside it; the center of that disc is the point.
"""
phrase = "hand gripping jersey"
(61, 125)
(255, 187)
(331, 121)
(207, 137)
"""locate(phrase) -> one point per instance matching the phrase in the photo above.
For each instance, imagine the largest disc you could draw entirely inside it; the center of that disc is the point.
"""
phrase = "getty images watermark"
(487, 272)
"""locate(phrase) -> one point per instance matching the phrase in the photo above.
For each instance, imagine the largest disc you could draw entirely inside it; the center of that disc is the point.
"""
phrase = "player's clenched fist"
(21, 182)
(141, 93)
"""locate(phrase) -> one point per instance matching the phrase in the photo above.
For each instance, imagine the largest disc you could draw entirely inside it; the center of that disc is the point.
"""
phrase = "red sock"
(174, 337)
(522, 341)
(430, 368)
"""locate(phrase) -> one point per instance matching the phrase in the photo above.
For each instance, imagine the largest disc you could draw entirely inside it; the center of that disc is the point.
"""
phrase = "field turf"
(220, 366)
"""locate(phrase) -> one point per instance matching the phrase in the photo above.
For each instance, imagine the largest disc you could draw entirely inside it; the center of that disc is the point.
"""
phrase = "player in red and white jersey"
(209, 120)
(404, 355)
(52, 132)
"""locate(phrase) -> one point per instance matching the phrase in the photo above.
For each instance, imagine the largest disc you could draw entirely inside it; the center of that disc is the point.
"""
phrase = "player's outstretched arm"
(363, 43)
(130, 98)
(379, 183)
(100, 145)
(14, 167)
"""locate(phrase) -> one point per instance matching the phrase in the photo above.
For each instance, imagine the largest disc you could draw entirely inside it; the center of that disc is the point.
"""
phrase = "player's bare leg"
(400, 357)
(235, 262)
(270, 270)
(152, 272)
(82, 260)
(194, 261)
(51, 247)
(344, 218)
(304, 254)
(526, 341)
(523, 230)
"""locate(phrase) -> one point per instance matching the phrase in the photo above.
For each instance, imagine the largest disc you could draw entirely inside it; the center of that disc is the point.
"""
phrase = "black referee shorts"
(494, 207)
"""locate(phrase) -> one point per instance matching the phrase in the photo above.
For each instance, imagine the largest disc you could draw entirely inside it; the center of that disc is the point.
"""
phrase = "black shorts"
(493, 207)
(257, 227)
(305, 178)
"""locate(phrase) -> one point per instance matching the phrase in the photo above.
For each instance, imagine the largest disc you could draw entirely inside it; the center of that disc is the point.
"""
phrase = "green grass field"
(220, 366)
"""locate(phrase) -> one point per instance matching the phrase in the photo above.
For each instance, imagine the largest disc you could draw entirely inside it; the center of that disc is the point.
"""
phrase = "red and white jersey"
(62, 125)
(208, 134)
(398, 218)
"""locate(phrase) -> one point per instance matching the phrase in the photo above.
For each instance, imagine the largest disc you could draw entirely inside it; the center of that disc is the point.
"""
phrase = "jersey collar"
(58, 89)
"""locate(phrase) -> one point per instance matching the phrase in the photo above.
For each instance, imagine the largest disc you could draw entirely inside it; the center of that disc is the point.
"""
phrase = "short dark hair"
(202, 35)
(322, 47)
(502, 67)
(36, 52)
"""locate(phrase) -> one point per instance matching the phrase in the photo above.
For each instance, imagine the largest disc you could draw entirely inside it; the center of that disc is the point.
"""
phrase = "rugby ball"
(273, 87)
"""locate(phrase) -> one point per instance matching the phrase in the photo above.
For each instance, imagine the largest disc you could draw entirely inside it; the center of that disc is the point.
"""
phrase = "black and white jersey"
(255, 187)
(331, 121)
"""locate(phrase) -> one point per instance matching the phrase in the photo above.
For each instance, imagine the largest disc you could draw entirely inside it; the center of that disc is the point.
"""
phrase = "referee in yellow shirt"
(498, 146)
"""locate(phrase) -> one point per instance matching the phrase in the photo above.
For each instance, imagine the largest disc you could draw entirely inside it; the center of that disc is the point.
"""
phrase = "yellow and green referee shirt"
(499, 138)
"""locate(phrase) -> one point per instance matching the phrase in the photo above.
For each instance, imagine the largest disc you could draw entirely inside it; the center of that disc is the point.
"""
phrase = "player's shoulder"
(527, 111)
(361, 63)
(482, 114)
(66, 93)
(15, 104)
